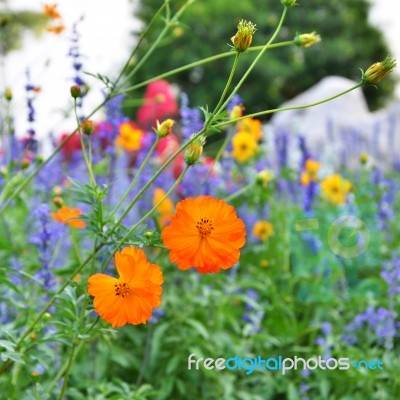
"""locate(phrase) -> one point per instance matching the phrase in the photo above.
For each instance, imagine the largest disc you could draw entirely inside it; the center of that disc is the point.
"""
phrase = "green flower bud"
(195, 150)
(376, 72)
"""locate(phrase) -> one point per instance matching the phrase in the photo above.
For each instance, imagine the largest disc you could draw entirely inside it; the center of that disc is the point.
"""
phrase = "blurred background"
(355, 34)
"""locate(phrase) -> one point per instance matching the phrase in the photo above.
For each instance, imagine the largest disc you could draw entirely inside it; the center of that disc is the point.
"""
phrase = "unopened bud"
(58, 201)
(25, 163)
(244, 36)
(264, 177)
(165, 128)
(75, 91)
(289, 3)
(307, 39)
(87, 127)
(148, 234)
(364, 158)
(195, 150)
(376, 72)
(8, 94)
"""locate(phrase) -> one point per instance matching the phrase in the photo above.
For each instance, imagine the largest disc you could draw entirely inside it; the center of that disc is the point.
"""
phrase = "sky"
(106, 39)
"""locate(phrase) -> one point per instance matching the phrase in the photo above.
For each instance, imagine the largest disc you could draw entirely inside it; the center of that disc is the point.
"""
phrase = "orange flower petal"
(131, 298)
(204, 233)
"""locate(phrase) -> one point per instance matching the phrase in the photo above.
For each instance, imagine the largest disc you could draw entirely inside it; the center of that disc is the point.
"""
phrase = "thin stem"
(265, 112)
(169, 23)
(141, 38)
(135, 179)
(216, 159)
(68, 369)
(148, 214)
(85, 156)
(29, 178)
(255, 61)
(228, 83)
(200, 62)
(146, 355)
(239, 192)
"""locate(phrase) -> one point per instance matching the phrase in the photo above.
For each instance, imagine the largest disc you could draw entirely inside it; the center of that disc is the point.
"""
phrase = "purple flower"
(191, 119)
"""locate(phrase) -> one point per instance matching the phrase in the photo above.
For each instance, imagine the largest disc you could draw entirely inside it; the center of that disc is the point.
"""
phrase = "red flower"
(159, 103)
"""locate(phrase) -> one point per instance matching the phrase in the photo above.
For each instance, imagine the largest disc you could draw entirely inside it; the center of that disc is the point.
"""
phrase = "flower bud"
(307, 39)
(25, 163)
(8, 94)
(87, 127)
(58, 190)
(165, 128)
(244, 36)
(264, 177)
(364, 158)
(58, 201)
(289, 3)
(376, 72)
(75, 91)
(194, 150)
(148, 234)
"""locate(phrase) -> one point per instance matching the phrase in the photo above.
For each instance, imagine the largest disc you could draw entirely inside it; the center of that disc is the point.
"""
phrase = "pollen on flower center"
(122, 289)
(204, 227)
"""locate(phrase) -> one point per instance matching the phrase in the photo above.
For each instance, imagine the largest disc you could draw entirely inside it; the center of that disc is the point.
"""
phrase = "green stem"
(68, 369)
(228, 83)
(239, 192)
(169, 23)
(255, 61)
(148, 214)
(135, 179)
(197, 63)
(265, 112)
(29, 178)
(87, 162)
(141, 38)
(216, 159)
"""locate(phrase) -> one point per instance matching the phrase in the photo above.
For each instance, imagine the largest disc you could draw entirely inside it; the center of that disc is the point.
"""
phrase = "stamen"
(204, 227)
(122, 289)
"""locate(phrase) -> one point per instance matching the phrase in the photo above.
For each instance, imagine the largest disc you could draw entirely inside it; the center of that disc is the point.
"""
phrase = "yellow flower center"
(204, 227)
(122, 289)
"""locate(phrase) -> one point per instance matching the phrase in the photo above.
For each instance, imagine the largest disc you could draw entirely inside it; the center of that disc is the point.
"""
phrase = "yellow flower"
(335, 189)
(130, 137)
(263, 230)
(311, 168)
(166, 209)
(252, 126)
(244, 147)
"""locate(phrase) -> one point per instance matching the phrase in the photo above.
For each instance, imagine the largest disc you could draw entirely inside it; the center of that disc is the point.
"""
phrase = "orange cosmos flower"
(68, 216)
(50, 10)
(130, 298)
(204, 233)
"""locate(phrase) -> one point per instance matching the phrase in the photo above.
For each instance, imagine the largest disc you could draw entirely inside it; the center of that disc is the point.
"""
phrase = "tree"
(349, 42)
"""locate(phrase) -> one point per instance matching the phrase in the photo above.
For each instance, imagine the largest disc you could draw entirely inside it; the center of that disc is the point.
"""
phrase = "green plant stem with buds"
(148, 214)
(170, 22)
(201, 62)
(85, 156)
(135, 179)
(139, 42)
(255, 61)
(275, 110)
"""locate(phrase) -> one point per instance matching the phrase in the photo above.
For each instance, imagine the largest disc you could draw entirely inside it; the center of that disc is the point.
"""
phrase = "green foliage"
(349, 42)
(13, 25)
